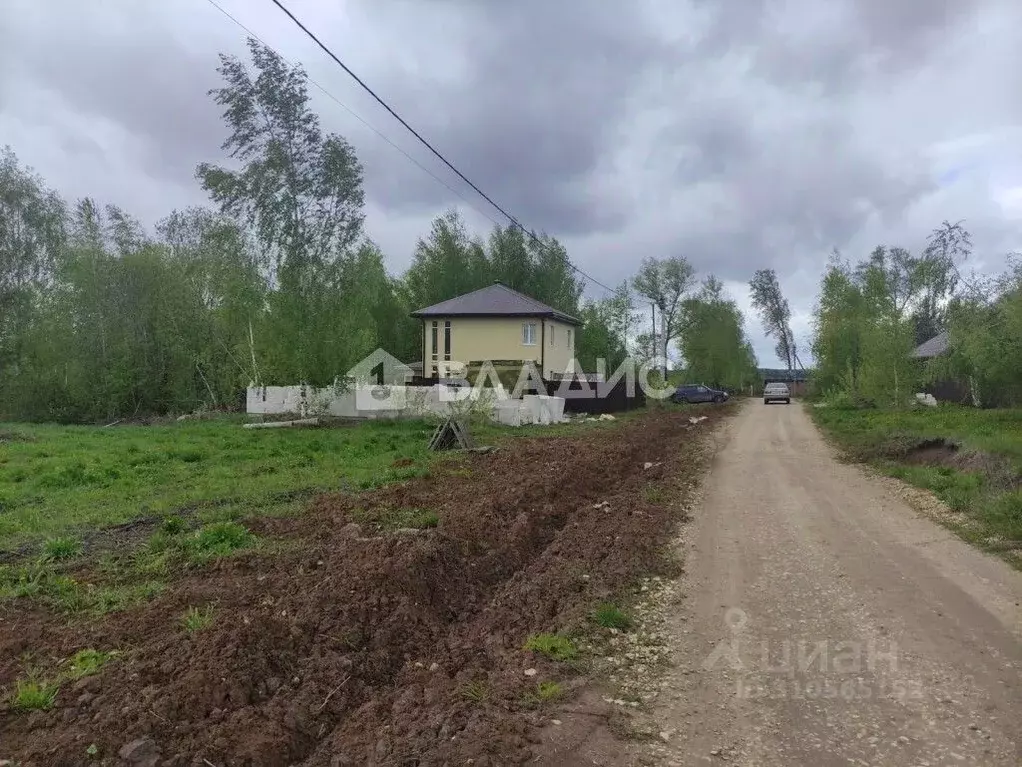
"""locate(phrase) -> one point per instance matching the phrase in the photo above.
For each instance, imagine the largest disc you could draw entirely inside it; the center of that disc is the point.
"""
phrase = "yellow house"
(499, 325)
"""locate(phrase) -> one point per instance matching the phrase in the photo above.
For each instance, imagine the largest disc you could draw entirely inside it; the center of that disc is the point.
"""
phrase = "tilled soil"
(361, 646)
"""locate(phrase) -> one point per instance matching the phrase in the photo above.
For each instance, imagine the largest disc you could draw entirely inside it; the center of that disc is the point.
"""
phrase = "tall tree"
(665, 283)
(947, 247)
(555, 282)
(606, 327)
(775, 314)
(446, 263)
(713, 343)
(217, 259)
(863, 331)
(301, 192)
(985, 339)
(32, 233)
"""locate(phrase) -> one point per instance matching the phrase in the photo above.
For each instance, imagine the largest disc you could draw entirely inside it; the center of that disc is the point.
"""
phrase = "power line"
(426, 143)
(357, 116)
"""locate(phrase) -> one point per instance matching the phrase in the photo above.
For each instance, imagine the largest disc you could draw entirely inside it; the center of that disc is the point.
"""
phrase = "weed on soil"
(362, 639)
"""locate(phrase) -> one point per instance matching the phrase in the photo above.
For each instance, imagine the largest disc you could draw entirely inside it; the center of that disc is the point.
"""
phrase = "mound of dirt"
(928, 452)
(363, 647)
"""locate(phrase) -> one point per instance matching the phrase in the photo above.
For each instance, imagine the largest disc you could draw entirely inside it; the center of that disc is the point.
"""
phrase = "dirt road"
(826, 623)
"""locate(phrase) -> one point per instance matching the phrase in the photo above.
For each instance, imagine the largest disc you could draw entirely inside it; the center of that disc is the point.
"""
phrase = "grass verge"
(970, 459)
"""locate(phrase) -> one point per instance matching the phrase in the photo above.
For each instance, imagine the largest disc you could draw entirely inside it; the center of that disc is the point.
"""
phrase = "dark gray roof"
(496, 300)
(935, 347)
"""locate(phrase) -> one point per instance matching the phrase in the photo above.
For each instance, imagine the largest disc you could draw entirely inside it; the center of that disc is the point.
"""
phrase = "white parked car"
(776, 392)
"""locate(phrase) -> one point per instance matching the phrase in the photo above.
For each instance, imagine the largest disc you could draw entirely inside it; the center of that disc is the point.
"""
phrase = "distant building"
(945, 389)
(937, 346)
(499, 325)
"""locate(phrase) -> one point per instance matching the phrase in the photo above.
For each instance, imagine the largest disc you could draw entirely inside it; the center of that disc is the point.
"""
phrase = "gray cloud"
(739, 134)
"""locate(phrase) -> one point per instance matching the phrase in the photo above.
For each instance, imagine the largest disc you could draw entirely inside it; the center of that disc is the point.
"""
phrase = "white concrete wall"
(404, 401)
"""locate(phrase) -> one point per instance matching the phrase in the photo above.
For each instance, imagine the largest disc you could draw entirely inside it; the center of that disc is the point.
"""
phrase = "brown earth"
(364, 647)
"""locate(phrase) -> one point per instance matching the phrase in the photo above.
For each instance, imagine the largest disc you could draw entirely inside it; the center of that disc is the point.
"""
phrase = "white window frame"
(528, 334)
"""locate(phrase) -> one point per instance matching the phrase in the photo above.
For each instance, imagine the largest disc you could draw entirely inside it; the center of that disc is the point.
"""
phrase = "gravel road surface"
(826, 622)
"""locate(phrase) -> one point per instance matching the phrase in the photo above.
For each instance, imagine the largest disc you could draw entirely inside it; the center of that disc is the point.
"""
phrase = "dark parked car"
(698, 393)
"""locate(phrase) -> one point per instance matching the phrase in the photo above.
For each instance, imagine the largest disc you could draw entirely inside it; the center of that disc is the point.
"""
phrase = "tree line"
(873, 313)
(277, 281)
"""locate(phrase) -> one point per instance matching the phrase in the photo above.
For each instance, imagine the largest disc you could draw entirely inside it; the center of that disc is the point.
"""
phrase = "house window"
(552, 329)
(447, 340)
(569, 338)
(529, 334)
(434, 339)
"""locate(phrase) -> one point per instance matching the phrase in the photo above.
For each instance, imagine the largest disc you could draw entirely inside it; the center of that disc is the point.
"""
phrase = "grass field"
(982, 479)
(185, 491)
(58, 481)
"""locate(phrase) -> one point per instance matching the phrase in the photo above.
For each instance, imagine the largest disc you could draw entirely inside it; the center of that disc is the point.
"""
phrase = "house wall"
(560, 348)
(475, 339)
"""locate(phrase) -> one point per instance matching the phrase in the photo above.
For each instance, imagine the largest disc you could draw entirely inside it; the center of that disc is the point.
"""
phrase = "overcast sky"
(741, 134)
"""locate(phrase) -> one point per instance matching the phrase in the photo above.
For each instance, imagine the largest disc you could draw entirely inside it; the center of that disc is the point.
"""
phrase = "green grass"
(87, 662)
(39, 580)
(59, 481)
(475, 691)
(33, 695)
(656, 494)
(548, 691)
(126, 580)
(38, 691)
(195, 619)
(57, 549)
(989, 493)
(555, 646)
(396, 519)
(991, 431)
(543, 694)
(217, 540)
(610, 616)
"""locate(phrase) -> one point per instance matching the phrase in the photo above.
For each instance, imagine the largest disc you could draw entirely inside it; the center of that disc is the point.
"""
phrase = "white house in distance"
(499, 325)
